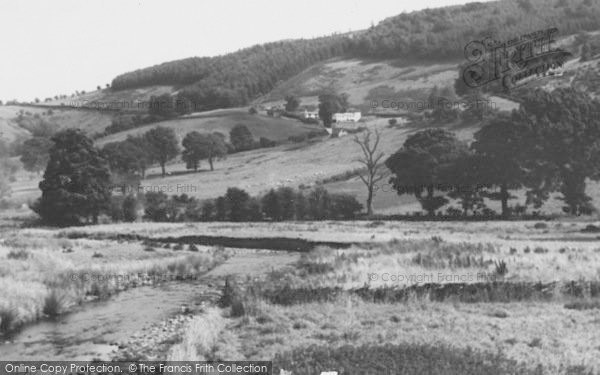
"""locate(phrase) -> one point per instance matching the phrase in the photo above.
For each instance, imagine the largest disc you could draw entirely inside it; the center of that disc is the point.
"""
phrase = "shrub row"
(463, 292)
(237, 205)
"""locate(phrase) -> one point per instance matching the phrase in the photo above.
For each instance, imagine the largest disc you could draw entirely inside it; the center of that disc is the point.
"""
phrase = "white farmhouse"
(347, 117)
(311, 114)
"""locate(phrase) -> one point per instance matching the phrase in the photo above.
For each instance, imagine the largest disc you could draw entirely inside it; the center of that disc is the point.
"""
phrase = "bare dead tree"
(371, 159)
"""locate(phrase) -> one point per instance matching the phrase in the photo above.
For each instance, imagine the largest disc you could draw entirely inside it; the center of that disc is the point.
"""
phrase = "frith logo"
(514, 62)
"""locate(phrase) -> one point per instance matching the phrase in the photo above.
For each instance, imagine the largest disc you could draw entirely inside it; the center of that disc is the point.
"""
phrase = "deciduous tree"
(564, 143)
(241, 138)
(371, 159)
(502, 151)
(35, 153)
(418, 166)
(76, 184)
(330, 103)
(291, 103)
(162, 145)
(198, 146)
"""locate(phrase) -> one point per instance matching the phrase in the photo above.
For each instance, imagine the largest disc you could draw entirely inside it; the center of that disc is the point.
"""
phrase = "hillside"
(129, 100)
(364, 81)
(398, 69)
(286, 165)
(276, 129)
(402, 58)
(431, 35)
(301, 165)
(18, 121)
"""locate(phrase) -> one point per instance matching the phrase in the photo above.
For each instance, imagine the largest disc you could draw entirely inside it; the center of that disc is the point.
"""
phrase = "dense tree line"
(280, 204)
(444, 32)
(551, 144)
(233, 79)
(126, 122)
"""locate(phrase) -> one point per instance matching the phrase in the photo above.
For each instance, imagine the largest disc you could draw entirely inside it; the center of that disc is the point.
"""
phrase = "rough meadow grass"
(44, 276)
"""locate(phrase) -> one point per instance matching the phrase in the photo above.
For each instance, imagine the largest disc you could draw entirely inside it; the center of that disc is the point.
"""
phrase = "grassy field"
(294, 165)
(90, 121)
(122, 99)
(255, 171)
(358, 78)
(305, 309)
(223, 121)
(44, 275)
(25, 188)
(287, 165)
(551, 335)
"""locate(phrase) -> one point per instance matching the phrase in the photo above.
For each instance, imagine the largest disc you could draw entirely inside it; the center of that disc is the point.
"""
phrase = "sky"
(56, 47)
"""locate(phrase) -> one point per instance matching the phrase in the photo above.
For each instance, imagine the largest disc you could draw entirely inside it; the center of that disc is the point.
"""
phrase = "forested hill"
(432, 34)
(444, 32)
(255, 69)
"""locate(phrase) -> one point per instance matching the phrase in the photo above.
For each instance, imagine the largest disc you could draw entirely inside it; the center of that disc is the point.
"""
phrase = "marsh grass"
(583, 305)
(501, 269)
(46, 281)
(200, 339)
(409, 359)
(19, 254)
(53, 304)
(8, 316)
(442, 259)
(436, 333)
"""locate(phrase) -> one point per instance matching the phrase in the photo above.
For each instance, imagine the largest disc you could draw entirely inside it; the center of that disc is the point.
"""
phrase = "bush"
(286, 198)
(312, 121)
(285, 203)
(253, 213)
(316, 133)
(241, 138)
(130, 207)
(237, 201)
(300, 206)
(501, 268)
(591, 229)
(270, 205)
(319, 204)
(208, 210)
(53, 304)
(392, 121)
(266, 142)
(237, 309)
(193, 211)
(228, 294)
(298, 138)
(20, 254)
(7, 319)
(583, 305)
(344, 206)
(156, 203)
(115, 210)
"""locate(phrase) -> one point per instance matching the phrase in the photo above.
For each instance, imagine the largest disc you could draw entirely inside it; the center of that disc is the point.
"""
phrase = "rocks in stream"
(152, 343)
